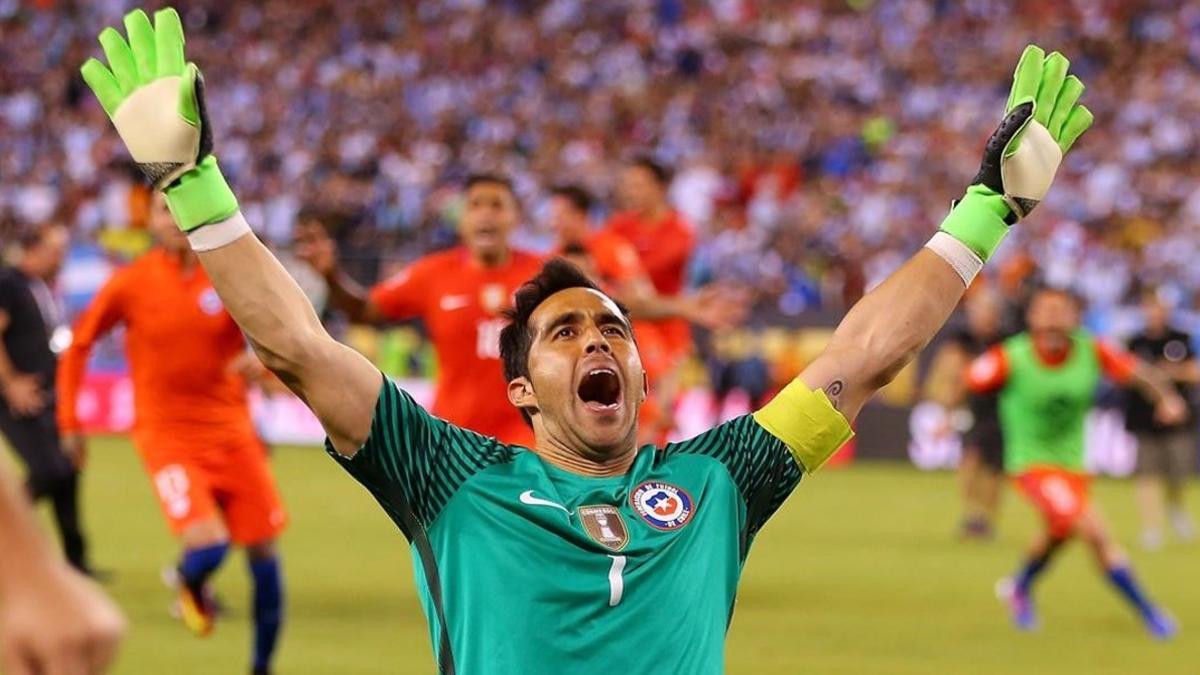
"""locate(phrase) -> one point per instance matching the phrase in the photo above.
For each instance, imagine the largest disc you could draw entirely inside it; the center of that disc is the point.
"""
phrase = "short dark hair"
(517, 337)
(579, 197)
(485, 178)
(661, 173)
(1064, 291)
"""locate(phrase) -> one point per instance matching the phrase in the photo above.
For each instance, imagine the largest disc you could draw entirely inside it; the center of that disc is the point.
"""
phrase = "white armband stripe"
(962, 259)
(216, 235)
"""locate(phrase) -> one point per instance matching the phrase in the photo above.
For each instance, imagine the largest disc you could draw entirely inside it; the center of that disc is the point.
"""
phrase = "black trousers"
(50, 475)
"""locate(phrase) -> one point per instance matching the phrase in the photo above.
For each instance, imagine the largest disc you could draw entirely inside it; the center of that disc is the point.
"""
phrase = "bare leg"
(1115, 565)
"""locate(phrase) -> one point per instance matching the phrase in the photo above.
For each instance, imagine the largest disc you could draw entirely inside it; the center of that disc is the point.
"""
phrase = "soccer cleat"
(1160, 625)
(196, 611)
(1020, 605)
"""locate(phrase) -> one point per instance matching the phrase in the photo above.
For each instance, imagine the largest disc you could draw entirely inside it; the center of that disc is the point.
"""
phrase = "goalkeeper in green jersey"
(583, 554)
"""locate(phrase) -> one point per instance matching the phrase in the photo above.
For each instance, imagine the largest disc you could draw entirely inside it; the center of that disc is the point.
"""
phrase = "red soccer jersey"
(179, 340)
(460, 302)
(665, 248)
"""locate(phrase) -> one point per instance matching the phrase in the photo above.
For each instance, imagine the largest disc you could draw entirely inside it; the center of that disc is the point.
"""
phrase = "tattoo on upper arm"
(833, 391)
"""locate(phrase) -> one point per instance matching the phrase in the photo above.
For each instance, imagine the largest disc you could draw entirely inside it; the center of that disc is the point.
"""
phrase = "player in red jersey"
(613, 261)
(664, 241)
(459, 294)
(192, 427)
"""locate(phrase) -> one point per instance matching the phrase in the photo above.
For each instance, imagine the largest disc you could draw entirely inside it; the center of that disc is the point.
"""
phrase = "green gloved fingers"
(1054, 73)
(120, 60)
(1079, 121)
(104, 85)
(1068, 96)
(141, 43)
(168, 42)
(1042, 121)
(1026, 77)
(153, 96)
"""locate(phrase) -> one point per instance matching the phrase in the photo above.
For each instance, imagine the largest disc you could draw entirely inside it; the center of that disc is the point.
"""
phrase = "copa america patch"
(661, 505)
(210, 302)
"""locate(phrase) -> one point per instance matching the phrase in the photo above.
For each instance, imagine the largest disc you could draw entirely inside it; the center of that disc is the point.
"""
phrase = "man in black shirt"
(29, 315)
(1166, 454)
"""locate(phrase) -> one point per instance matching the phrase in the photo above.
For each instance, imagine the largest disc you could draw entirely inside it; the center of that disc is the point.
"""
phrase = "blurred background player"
(981, 470)
(459, 295)
(52, 619)
(1046, 381)
(29, 316)
(1165, 452)
(610, 259)
(664, 241)
(193, 428)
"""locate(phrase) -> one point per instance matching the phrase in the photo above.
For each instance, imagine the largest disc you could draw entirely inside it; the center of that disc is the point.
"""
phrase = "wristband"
(216, 235)
(961, 258)
(201, 196)
(979, 220)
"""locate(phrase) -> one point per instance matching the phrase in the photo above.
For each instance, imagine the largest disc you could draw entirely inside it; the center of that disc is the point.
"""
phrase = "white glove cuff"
(216, 235)
(962, 259)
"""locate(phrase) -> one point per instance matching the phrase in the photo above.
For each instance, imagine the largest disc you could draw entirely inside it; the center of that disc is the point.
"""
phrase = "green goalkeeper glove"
(156, 101)
(1043, 120)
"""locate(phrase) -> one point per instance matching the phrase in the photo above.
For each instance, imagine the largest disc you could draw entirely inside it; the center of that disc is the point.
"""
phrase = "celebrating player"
(586, 554)
(192, 428)
(1046, 380)
(611, 260)
(460, 295)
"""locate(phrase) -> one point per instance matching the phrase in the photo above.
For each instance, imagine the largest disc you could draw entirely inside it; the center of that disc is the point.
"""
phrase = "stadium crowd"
(812, 153)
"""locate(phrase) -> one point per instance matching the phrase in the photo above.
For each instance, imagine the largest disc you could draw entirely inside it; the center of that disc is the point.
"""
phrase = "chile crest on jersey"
(662, 505)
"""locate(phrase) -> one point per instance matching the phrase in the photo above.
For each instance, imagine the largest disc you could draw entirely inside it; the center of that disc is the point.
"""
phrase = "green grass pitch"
(857, 574)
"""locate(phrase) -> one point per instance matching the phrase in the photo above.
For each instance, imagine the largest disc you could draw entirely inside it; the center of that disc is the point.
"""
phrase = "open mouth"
(600, 389)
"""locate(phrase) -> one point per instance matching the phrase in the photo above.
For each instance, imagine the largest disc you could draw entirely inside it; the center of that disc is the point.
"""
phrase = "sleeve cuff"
(807, 423)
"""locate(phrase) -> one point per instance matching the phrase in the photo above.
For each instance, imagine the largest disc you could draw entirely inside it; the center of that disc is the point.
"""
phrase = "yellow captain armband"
(807, 423)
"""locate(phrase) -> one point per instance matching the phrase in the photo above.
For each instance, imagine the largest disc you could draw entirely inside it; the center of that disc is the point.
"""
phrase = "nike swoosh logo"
(449, 303)
(528, 498)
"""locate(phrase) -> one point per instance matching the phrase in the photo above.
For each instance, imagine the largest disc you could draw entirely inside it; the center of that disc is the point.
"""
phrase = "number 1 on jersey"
(616, 580)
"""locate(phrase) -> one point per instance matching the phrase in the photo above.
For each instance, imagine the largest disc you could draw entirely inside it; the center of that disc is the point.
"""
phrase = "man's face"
(163, 227)
(1052, 315)
(490, 216)
(568, 221)
(51, 251)
(585, 372)
(983, 313)
(639, 189)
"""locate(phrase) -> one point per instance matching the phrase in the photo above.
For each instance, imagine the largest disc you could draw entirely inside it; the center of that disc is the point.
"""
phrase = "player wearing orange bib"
(460, 295)
(192, 426)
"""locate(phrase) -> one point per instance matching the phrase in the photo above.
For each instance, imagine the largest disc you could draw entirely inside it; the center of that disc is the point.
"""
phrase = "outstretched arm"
(883, 332)
(156, 101)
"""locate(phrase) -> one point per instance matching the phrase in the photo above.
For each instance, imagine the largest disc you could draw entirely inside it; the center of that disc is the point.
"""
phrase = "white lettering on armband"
(216, 235)
(962, 259)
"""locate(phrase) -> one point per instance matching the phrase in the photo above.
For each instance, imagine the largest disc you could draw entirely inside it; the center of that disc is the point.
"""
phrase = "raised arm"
(891, 324)
(156, 102)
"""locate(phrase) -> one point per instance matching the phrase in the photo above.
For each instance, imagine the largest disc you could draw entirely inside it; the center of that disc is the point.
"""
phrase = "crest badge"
(604, 524)
(662, 505)
(493, 297)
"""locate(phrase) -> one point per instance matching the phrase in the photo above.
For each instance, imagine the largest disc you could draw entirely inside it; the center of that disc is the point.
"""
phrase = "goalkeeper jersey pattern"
(524, 568)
